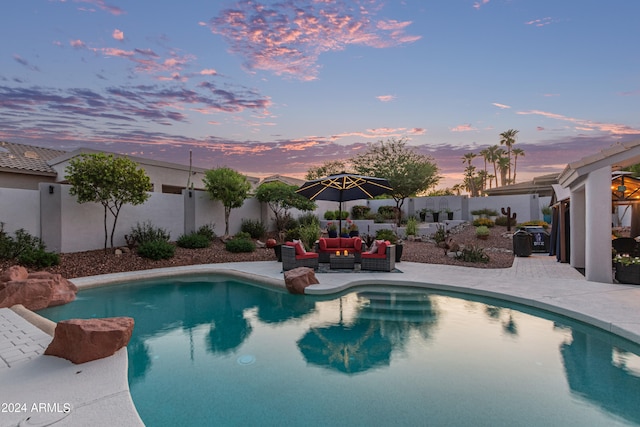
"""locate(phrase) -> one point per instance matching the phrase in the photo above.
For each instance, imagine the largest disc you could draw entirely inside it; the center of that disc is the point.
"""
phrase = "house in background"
(25, 166)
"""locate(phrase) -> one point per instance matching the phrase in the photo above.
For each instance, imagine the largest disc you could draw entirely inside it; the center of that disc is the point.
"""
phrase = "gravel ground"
(81, 264)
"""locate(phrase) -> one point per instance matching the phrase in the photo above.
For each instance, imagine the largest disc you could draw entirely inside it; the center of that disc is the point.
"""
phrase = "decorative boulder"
(84, 340)
(35, 291)
(299, 278)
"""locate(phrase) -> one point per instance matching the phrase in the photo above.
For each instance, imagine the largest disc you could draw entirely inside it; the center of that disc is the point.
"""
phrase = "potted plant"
(435, 214)
(423, 215)
(482, 232)
(449, 213)
(353, 228)
(332, 229)
(344, 232)
(627, 269)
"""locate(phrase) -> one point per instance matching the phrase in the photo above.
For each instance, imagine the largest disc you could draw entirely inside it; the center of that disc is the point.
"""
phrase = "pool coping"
(535, 281)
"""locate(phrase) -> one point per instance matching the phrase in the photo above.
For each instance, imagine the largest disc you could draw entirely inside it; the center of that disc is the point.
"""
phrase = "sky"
(276, 87)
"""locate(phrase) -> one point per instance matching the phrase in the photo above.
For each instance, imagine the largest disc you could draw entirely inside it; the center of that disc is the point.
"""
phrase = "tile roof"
(27, 158)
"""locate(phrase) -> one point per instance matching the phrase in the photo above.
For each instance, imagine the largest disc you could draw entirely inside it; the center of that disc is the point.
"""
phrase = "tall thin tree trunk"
(106, 233)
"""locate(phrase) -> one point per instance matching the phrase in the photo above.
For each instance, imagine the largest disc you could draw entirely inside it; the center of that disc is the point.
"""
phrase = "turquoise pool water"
(213, 351)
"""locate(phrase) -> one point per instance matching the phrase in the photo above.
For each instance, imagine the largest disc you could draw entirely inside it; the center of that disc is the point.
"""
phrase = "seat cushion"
(374, 256)
(307, 255)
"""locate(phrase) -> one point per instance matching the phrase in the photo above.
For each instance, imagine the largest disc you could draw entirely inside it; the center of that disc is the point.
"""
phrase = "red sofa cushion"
(336, 243)
(298, 246)
(308, 255)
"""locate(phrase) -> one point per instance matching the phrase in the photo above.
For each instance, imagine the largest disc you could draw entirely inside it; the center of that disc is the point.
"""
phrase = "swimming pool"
(221, 352)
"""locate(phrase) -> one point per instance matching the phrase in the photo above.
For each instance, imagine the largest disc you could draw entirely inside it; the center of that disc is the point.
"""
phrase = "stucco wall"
(20, 209)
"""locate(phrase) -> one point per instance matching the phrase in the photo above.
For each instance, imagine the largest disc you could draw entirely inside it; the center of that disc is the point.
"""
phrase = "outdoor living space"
(93, 391)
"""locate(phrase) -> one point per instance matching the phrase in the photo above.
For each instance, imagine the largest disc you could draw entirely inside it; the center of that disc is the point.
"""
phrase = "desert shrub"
(156, 249)
(329, 215)
(13, 247)
(146, 232)
(38, 258)
(440, 235)
(360, 212)
(482, 231)
(309, 219)
(386, 234)
(309, 233)
(193, 241)
(255, 228)
(207, 231)
(503, 221)
(486, 222)
(292, 234)
(412, 226)
(286, 222)
(387, 212)
(485, 212)
(472, 254)
(237, 245)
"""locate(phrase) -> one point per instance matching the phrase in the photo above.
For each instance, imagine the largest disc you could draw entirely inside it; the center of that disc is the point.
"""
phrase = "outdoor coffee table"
(342, 262)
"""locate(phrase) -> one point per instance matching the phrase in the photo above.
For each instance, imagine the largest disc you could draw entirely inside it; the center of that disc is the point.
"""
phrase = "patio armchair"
(382, 259)
(294, 256)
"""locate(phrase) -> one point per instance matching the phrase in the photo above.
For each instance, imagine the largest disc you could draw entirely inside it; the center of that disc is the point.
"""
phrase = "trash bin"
(540, 238)
(522, 243)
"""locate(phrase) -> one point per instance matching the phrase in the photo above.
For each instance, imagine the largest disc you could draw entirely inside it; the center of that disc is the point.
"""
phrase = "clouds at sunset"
(288, 40)
(586, 125)
(118, 35)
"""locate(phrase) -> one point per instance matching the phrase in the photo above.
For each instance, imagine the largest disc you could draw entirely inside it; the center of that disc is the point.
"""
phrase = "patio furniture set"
(341, 254)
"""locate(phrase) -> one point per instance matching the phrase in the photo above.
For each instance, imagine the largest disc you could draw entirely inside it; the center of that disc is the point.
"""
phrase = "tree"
(408, 172)
(516, 152)
(508, 138)
(229, 187)
(281, 197)
(469, 173)
(494, 153)
(332, 167)
(109, 180)
(503, 167)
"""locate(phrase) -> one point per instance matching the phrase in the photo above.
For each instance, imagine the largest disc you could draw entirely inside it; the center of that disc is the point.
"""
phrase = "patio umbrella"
(344, 187)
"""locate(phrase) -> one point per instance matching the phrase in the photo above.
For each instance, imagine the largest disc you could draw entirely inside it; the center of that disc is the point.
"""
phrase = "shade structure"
(344, 187)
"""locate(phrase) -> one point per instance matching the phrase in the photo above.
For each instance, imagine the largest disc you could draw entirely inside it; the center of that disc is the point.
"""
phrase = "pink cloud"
(78, 44)
(539, 22)
(503, 106)
(288, 40)
(463, 128)
(118, 35)
(586, 125)
(479, 4)
(386, 98)
(208, 72)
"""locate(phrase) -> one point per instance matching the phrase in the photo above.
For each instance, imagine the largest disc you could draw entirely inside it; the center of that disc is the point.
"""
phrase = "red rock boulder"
(84, 340)
(34, 290)
(299, 278)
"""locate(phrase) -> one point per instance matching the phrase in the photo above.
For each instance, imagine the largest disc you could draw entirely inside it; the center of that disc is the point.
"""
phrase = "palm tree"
(516, 152)
(503, 167)
(468, 157)
(508, 138)
(482, 177)
(485, 156)
(494, 153)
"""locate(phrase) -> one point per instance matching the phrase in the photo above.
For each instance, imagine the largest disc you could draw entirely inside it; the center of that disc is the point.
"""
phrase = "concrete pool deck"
(28, 377)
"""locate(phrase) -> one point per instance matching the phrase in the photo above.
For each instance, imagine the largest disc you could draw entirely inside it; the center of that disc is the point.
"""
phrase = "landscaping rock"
(84, 340)
(35, 291)
(299, 278)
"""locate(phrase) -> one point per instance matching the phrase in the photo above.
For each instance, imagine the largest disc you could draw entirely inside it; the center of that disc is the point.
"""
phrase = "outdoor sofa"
(381, 257)
(329, 245)
(294, 256)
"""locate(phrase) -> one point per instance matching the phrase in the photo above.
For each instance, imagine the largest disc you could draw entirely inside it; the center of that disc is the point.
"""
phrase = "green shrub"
(286, 222)
(486, 222)
(38, 258)
(292, 234)
(146, 232)
(255, 228)
(440, 235)
(360, 212)
(386, 234)
(156, 249)
(485, 212)
(207, 231)
(503, 221)
(309, 219)
(309, 233)
(412, 226)
(329, 215)
(473, 254)
(387, 212)
(13, 247)
(193, 241)
(237, 245)
(482, 231)
(341, 214)
(242, 235)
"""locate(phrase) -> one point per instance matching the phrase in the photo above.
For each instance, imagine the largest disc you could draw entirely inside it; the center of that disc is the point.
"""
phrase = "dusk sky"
(270, 87)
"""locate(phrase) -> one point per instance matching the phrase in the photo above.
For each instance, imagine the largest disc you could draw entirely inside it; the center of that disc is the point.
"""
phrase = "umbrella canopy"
(343, 187)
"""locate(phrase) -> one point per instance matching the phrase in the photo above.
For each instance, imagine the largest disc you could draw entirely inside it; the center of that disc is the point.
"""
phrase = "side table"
(342, 262)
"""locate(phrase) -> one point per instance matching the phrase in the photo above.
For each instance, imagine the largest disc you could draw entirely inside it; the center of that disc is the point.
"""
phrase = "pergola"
(592, 193)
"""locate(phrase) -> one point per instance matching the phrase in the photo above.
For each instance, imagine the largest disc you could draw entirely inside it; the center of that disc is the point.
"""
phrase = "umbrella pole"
(340, 219)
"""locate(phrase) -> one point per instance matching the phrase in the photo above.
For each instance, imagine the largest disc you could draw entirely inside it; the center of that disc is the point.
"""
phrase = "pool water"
(214, 351)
